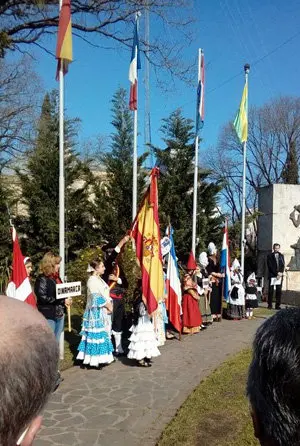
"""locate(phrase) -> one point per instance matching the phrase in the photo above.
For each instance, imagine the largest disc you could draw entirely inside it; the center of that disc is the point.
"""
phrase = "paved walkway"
(124, 405)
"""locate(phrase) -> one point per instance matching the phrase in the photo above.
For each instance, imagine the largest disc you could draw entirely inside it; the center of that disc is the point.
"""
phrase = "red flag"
(146, 233)
(19, 285)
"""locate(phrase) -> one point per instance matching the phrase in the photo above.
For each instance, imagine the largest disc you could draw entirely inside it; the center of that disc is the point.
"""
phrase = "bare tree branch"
(28, 21)
(19, 101)
(272, 128)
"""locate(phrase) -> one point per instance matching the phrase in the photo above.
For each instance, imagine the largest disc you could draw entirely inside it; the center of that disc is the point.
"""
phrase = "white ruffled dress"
(143, 342)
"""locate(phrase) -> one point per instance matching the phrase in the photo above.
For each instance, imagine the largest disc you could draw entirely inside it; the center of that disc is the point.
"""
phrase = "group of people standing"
(202, 301)
(203, 292)
(103, 319)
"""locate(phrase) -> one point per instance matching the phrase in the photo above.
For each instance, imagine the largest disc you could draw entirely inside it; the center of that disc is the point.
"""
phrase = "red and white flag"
(19, 285)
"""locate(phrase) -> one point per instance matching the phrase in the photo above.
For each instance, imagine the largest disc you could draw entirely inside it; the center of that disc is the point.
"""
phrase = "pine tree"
(5, 234)
(40, 188)
(290, 173)
(117, 216)
(175, 185)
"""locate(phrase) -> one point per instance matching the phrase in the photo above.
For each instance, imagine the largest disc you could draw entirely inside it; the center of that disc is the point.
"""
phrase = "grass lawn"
(217, 412)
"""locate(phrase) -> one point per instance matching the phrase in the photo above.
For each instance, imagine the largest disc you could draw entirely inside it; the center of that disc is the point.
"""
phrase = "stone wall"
(276, 205)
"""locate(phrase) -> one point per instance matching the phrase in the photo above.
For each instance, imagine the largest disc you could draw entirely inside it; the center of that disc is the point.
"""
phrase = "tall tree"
(290, 173)
(5, 235)
(116, 191)
(176, 187)
(40, 191)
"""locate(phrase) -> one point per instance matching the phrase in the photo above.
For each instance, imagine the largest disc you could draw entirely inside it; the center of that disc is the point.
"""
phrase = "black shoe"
(278, 307)
(143, 363)
(270, 308)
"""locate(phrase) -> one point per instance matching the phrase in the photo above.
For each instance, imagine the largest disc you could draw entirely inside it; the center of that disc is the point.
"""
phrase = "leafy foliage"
(290, 173)
(114, 197)
(40, 188)
(77, 271)
(5, 235)
(128, 263)
(176, 187)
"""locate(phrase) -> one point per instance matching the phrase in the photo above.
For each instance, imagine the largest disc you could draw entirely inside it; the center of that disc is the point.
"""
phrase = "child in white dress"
(143, 342)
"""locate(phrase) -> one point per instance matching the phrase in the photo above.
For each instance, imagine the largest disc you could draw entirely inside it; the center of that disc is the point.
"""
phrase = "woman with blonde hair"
(45, 290)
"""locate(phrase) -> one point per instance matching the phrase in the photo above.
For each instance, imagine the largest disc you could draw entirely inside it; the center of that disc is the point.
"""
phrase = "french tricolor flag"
(225, 263)
(200, 94)
(173, 286)
(135, 65)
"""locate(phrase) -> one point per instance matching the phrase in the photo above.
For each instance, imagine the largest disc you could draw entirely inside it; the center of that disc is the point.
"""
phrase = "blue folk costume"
(95, 347)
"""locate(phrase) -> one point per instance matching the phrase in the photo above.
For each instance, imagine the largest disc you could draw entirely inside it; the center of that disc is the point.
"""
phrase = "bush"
(128, 263)
(76, 271)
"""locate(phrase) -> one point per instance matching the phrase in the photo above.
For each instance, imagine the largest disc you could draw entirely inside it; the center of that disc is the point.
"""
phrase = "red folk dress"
(191, 317)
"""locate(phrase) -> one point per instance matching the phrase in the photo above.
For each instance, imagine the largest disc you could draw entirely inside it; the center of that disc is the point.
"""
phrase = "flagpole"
(243, 240)
(134, 173)
(135, 134)
(194, 228)
(61, 171)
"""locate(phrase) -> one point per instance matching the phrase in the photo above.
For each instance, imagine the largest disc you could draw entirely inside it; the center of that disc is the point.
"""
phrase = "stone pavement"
(127, 405)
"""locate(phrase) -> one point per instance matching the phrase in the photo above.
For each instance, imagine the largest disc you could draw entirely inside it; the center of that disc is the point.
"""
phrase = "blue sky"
(231, 32)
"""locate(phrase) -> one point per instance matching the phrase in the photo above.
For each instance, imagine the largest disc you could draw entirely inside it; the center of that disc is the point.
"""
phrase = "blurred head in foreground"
(28, 365)
(273, 386)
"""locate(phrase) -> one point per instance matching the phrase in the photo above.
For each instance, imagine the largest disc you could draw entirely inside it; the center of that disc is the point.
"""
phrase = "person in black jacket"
(45, 290)
(118, 284)
(276, 265)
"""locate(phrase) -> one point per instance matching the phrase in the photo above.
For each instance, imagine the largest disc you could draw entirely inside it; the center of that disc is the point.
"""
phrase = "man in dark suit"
(275, 263)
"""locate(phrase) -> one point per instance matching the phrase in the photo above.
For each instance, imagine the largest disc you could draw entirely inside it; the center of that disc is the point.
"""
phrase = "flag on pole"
(224, 263)
(64, 38)
(200, 96)
(241, 121)
(173, 286)
(19, 285)
(146, 234)
(135, 65)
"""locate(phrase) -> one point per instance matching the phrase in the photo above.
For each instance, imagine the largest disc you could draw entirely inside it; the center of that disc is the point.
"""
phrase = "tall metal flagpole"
(243, 240)
(61, 171)
(134, 175)
(196, 171)
(135, 130)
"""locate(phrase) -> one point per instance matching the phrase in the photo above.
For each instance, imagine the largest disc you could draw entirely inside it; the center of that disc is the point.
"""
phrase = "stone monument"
(279, 222)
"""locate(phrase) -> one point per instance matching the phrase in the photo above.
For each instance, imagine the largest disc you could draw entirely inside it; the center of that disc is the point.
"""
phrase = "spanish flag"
(241, 121)
(64, 38)
(146, 233)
